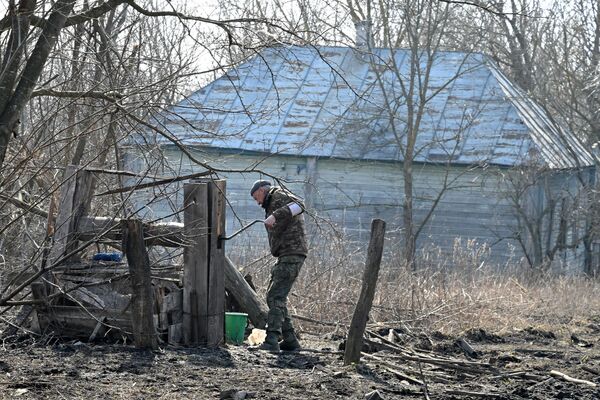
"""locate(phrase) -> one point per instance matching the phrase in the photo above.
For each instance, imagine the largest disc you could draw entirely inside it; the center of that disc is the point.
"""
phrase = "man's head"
(259, 191)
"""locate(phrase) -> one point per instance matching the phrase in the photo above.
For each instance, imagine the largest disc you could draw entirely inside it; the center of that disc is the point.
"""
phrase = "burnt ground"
(514, 365)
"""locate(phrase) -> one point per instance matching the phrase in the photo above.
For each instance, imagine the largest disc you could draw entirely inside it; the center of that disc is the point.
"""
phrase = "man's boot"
(271, 343)
(290, 341)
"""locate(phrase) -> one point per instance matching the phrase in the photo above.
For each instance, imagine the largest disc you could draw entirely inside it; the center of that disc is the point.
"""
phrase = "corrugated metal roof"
(337, 102)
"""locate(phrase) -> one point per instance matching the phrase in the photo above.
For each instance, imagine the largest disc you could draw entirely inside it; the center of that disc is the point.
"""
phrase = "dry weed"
(448, 293)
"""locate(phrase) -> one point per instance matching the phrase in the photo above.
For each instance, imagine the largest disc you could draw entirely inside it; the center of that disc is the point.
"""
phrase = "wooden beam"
(142, 302)
(365, 300)
(216, 278)
(167, 234)
(247, 298)
(195, 259)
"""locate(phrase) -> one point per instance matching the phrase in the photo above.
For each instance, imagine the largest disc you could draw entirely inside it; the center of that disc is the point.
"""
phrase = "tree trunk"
(407, 217)
(10, 113)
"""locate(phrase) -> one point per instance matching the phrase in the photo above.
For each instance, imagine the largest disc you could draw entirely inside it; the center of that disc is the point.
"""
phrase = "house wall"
(562, 193)
(347, 194)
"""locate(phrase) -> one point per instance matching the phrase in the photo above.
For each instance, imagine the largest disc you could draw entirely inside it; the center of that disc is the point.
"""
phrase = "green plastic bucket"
(235, 326)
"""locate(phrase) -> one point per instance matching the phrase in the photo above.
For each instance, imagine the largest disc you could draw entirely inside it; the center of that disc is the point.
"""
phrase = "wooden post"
(195, 258)
(75, 199)
(361, 312)
(142, 302)
(216, 278)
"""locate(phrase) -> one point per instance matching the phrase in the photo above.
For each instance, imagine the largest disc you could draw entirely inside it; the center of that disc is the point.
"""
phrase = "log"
(247, 298)
(167, 234)
(142, 302)
(365, 300)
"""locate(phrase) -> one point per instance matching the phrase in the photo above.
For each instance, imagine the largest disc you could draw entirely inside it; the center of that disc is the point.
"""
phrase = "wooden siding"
(349, 194)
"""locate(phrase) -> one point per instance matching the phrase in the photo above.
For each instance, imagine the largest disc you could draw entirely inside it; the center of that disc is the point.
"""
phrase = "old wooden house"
(491, 170)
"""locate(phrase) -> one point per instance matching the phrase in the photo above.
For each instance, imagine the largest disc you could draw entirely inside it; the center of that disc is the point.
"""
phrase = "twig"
(518, 374)
(474, 394)
(590, 370)
(305, 350)
(393, 368)
(414, 356)
(530, 388)
(155, 183)
(567, 378)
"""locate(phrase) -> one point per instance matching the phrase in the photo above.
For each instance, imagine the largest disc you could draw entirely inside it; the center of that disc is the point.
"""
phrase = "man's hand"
(270, 222)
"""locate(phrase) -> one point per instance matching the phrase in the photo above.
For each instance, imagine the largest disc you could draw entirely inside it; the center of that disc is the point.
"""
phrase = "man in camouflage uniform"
(285, 229)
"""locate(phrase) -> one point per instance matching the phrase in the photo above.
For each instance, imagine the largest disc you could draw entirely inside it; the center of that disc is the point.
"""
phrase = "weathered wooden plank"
(216, 278)
(175, 335)
(195, 256)
(82, 295)
(73, 321)
(167, 234)
(74, 203)
(369, 184)
(142, 301)
(99, 330)
(65, 212)
(365, 300)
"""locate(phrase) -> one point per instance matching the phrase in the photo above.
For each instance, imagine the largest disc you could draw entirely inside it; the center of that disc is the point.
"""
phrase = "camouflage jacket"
(287, 236)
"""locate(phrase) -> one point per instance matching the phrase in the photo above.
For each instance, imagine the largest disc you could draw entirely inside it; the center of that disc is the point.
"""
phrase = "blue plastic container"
(108, 257)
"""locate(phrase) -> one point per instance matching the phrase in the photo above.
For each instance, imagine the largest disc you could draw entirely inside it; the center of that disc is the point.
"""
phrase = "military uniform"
(287, 241)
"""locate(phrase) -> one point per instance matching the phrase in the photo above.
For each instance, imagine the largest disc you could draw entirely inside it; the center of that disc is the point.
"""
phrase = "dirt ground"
(514, 365)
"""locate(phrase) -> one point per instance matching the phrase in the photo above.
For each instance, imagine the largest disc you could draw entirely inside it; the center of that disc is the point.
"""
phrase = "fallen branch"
(393, 368)
(519, 374)
(568, 378)
(590, 370)
(474, 394)
(468, 366)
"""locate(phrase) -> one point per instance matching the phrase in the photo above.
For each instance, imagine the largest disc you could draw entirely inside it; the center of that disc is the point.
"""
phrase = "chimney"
(364, 35)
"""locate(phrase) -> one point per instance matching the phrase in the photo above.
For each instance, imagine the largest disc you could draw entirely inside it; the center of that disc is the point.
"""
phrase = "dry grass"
(449, 293)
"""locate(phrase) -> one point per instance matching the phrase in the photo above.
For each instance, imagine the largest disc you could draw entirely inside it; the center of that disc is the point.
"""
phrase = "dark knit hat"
(258, 184)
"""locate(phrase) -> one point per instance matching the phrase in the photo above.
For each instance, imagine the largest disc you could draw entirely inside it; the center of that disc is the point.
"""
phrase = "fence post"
(361, 312)
(142, 302)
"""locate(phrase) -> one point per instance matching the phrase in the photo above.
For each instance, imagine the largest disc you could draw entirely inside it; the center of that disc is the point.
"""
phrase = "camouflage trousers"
(283, 275)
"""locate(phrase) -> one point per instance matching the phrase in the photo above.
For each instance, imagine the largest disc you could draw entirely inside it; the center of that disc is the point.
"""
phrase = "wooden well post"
(204, 263)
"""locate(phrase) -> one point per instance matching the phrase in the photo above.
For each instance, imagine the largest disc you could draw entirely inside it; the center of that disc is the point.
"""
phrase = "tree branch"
(110, 96)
